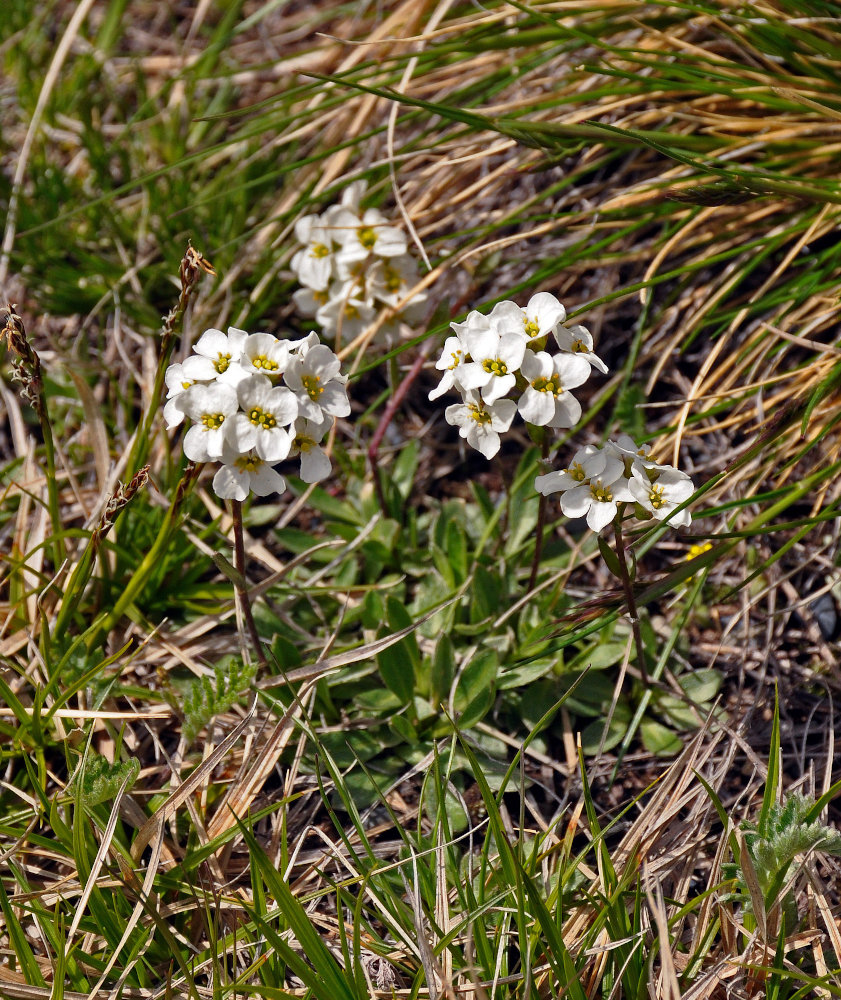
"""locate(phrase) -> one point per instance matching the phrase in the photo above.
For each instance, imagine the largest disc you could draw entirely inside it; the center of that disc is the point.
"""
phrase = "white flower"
(209, 407)
(481, 422)
(450, 363)
(546, 400)
(352, 196)
(495, 360)
(660, 490)
(243, 473)
(314, 378)
(369, 235)
(344, 313)
(264, 354)
(308, 301)
(586, 463)
(540, 316)
(597, 499)
(579, 340)
(217, 356)
(474, 322)
(304, 344)
(313, 264)
(268, 412)
(633, 455)
(625, 446)
(176, 382)
(315, 463)
(390, 279)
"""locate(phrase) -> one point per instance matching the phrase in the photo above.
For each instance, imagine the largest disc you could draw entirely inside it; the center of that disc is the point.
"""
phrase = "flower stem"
(242, 585)
(628, 587)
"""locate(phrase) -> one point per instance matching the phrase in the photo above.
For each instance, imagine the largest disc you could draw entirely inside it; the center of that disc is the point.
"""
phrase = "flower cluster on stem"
(598, 480)
(494, 358)
(254, 400)
(500, 365)
(353, 263)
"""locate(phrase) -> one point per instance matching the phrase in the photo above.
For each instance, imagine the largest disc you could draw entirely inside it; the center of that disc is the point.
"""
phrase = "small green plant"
(768, 861)
(101, 780)
(205, 698)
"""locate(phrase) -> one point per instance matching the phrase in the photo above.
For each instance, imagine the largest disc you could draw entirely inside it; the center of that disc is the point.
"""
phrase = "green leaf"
(599, 656)
(19, 943)
(477, 709)
(204, 699)
(397, 673)
(591, 735)
(610, 557)
(403, 471)
(478, 676)
(486, 595)
(456, 550)
(701, 686)
(770, 795)
(404, 729)
(659, 739)
(101, 780)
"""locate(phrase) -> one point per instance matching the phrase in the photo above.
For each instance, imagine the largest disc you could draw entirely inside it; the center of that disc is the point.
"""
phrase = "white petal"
(600, 515)
(265, 481)
(315, 465)
(231, 483)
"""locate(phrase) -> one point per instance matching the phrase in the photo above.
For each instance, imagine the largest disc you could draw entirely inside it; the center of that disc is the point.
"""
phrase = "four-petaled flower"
(243, 473)
(264, 354)
(216, 357)
(209, 407)
(370, 234)
(542, 314)
(660, 491)
(495, 360)
(266, 413)
(547, 400)
(314, 263)
(596, 499)
(320, 389)
(450, 363)
(481, 422)
(315, 463)
(579, 341)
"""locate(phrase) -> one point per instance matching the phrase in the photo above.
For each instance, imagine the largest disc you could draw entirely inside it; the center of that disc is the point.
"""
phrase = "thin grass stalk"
(150, 563)
(83, 568)
(192, 264)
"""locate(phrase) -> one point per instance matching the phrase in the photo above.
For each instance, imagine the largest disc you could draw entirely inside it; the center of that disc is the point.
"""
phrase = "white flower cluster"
(352, 264)
(242, 416)
(600, 478)
(492, 354)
